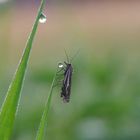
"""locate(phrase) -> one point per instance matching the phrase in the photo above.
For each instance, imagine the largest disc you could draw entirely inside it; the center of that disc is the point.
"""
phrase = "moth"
(66, 83)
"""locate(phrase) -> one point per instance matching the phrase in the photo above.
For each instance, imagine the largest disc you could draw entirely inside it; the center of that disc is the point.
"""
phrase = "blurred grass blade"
(9, 107)
(43, 121)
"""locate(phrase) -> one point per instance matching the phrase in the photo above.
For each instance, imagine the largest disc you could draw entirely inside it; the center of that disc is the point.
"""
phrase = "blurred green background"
(105, 100)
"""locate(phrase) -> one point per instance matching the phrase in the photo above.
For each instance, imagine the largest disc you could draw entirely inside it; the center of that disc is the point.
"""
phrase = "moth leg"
(56, 85)
(61, 70)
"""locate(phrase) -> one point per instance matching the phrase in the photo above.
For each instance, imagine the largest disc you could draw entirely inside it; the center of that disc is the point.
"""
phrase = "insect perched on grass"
(67, 79)
(66, 84)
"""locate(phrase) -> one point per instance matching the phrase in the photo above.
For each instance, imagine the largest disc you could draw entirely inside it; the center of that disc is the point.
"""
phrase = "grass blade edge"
(10, 104)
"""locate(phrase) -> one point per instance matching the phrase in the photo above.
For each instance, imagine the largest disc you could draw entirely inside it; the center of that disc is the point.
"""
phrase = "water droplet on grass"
(42, 18)
(60, 65)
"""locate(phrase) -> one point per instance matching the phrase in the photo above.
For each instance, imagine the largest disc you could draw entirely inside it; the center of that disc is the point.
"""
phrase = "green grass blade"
(9, 107)
(42, 125)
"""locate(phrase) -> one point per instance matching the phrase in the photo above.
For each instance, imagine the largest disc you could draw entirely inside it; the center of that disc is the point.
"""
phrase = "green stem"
(41, 130)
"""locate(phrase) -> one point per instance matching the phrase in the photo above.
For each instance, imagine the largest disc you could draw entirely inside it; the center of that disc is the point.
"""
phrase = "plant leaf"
(43, 121)
(10, 105)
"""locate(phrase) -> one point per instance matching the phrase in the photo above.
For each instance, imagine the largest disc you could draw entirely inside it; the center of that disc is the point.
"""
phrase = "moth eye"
(60, 65)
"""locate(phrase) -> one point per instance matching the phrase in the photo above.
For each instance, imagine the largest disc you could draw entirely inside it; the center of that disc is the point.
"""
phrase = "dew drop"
(60, 65)
(42, 18)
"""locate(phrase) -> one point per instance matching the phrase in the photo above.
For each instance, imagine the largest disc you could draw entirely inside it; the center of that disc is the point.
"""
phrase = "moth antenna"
(67, 56)
(75, 55)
